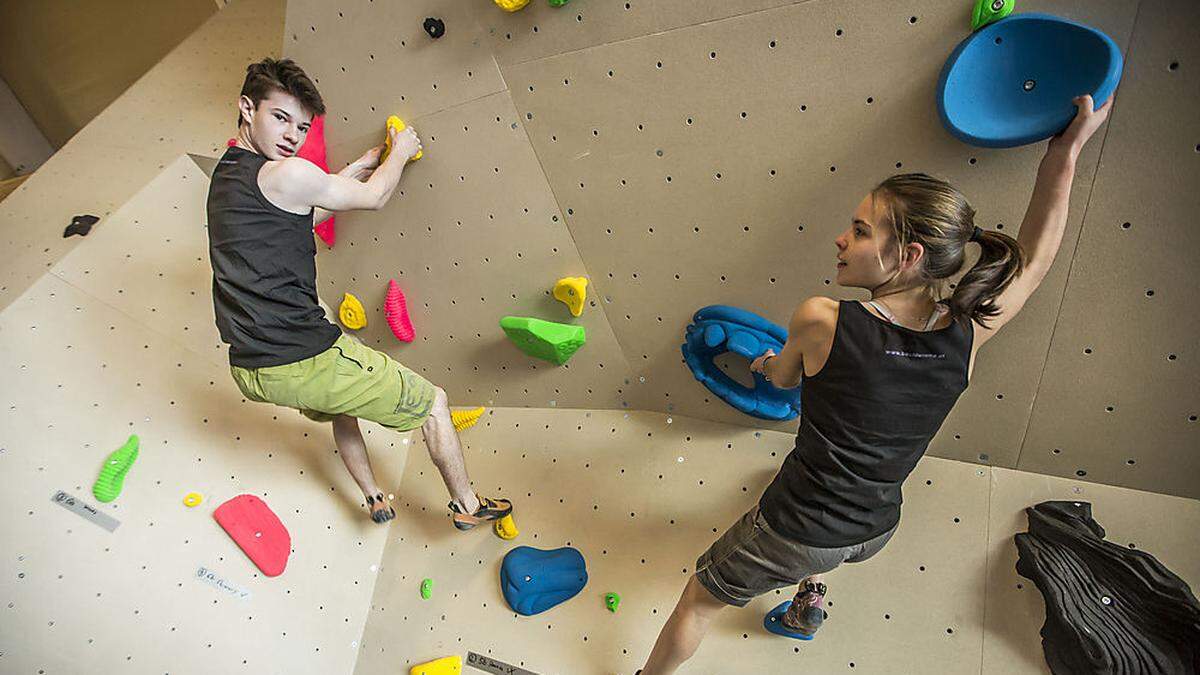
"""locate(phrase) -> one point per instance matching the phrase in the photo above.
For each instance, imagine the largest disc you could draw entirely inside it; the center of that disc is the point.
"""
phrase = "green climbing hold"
(426, 589)
(112, 475)
(558, 3)
(989, 11)
(547, 340)
(612, 601)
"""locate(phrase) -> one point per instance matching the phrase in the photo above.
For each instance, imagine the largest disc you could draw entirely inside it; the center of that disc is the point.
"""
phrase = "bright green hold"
(547, 340)
(112, 475)
(426, 589)
(988, 11)
(612, 601)
(558, 3)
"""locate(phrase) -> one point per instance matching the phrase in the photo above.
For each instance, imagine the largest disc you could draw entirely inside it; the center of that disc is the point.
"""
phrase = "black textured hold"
(80, 225)
(1109, 609)
(435, 27)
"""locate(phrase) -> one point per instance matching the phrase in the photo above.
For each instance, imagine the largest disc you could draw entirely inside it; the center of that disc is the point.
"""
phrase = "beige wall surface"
(66, 61)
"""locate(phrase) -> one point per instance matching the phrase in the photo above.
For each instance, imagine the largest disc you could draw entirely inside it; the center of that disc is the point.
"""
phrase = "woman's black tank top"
(264, 270)
(865, 419)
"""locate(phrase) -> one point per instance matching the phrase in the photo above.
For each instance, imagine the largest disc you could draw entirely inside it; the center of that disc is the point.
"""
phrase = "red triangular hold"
(326, 231)
(395, 309)
(257, 530)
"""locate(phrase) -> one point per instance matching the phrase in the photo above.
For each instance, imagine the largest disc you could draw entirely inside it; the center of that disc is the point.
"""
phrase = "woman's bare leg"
(684, 630)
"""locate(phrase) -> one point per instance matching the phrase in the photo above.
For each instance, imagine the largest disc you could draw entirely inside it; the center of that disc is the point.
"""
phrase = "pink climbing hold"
(395, 308)
(314, 151)
(257, 530)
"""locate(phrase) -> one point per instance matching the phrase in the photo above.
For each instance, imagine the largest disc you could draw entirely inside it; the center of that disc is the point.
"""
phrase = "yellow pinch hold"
(398, 123)
(450, 665)
(506, 528)
(465, 419)
(351, 313)
(572, 291)
(511, 5)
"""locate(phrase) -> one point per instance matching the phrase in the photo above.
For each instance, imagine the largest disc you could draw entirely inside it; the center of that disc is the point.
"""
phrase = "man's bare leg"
(353, 450)
(446, 453)
(684, 630)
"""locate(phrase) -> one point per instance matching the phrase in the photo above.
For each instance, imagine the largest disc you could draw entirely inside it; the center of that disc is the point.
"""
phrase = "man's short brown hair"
(269, 75)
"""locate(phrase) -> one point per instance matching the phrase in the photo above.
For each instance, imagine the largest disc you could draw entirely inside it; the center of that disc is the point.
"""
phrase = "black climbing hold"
(80, 225)
(435, 27)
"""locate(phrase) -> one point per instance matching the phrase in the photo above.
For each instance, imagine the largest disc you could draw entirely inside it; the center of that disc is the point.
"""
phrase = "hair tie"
(977, 235)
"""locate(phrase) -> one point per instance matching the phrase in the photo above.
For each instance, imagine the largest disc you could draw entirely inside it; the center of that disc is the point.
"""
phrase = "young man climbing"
(262, 204)
(874, 397)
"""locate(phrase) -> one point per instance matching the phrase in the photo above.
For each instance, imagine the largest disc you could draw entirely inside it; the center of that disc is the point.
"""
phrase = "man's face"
(278, 125)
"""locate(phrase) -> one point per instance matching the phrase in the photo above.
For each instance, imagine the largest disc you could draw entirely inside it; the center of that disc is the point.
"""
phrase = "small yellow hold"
(398, 123)
(465, 419)
(351, 313)
(511, 5)
(506, 528)
(192, 499)
(450, 665)
(573, 292)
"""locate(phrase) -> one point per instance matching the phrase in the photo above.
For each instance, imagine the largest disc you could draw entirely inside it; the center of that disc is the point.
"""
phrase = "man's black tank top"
(264, 270)
(865, 419)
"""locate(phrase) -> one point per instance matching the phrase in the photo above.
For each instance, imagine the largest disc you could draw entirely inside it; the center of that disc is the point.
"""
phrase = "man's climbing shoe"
(489, 510)
(112, 475)
(381, 511)
(799, 617)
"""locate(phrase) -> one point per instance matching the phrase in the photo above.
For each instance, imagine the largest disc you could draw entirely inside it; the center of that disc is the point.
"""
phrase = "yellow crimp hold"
(450, 665)
(573, 292)
(511, 5)
(465, 419)
(351, 313)
(506, 528)
(394, 121)
(192, 499)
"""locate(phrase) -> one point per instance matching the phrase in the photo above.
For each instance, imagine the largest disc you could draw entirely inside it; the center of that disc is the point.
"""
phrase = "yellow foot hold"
(506, 528)
(573, 292)
(450, 665)
(351, 313)
(465, 419)
(192, 499)
(511, 5)
(399, 125)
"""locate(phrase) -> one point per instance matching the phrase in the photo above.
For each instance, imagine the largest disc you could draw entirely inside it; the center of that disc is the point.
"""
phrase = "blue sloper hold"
(717, 329)
(534, 580)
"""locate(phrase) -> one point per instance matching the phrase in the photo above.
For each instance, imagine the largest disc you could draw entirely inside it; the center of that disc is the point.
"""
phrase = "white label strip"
(86, 510)
(216, 581)
(490, 665)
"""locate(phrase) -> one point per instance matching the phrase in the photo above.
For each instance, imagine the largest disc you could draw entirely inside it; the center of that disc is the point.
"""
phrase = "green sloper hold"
(547, 340)
(112, 475)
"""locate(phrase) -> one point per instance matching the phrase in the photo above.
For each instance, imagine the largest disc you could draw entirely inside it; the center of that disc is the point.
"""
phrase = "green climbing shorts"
(349, 378)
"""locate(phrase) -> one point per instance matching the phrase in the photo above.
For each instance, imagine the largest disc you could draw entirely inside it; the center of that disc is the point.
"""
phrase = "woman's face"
(866, 249)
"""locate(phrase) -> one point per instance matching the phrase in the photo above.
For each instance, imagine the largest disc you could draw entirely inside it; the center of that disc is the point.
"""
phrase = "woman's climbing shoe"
(799, 617)
(489, 510)
(381, 511)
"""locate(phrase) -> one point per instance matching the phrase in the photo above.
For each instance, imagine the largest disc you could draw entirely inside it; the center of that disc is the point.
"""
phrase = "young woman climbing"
(878, 380)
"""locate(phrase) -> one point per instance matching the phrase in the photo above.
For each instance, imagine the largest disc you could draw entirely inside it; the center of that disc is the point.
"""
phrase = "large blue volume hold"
(534, 580)
(1012, 82)
(717, 329)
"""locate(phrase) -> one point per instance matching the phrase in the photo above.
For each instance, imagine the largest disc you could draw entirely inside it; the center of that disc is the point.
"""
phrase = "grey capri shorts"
(751, 559)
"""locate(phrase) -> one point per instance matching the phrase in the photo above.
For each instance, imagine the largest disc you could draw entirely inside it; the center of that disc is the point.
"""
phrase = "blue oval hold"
(534, 580)
(1012, 82)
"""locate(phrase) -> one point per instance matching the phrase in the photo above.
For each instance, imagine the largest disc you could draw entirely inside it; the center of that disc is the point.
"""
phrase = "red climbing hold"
(314, 151)
(395, 309)
(257, 530)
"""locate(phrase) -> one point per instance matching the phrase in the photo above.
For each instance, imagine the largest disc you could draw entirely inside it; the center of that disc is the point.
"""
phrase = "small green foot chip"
(612, 601)
(426, 589)
(547, 340)
(558, 3)
(112, 475)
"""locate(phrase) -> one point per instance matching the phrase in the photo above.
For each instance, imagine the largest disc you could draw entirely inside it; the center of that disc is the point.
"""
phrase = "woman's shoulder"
(816, 315)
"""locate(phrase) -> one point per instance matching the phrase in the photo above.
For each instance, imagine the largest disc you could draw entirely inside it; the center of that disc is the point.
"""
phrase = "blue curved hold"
(1011, 82)
(717, 329)
(534, 580)
(773, 622)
